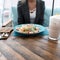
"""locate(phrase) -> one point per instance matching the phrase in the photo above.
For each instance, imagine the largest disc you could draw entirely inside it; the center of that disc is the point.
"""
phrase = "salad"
(28, 28)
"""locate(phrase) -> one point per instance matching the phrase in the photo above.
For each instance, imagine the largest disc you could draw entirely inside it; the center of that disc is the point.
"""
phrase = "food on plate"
(28, 28)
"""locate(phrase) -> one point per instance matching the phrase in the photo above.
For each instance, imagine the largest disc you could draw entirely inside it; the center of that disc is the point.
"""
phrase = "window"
(48, 3)
(57, 7)
(4, 10)
(1, 5)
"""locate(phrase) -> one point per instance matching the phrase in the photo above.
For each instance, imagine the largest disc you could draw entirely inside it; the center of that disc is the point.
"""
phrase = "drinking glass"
(54, 27)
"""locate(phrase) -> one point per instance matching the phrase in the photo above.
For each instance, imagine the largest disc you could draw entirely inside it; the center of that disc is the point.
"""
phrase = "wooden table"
(31, 48)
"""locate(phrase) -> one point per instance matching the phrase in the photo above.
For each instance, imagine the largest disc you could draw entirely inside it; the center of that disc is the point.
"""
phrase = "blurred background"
(6, 6)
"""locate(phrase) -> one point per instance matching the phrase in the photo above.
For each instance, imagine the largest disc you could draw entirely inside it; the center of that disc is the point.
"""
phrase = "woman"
(31, 11)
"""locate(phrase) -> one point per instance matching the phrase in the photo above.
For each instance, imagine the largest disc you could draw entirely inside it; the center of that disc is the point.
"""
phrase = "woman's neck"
(32, 4)
(31, 1)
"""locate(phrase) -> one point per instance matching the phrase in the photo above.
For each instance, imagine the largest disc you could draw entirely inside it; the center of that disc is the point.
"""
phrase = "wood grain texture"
(5, 29)
(31, 48)
(2, 57)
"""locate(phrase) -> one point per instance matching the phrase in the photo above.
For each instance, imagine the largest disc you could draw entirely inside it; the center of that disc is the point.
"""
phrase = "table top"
(29, 48)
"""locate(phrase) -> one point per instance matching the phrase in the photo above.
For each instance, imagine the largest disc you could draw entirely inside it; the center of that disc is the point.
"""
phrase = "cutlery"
(4, 35)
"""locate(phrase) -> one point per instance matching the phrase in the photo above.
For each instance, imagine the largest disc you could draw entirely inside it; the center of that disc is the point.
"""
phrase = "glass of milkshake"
(54, 27)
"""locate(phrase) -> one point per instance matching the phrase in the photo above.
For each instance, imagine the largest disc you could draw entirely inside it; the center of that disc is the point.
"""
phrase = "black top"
(24, 16)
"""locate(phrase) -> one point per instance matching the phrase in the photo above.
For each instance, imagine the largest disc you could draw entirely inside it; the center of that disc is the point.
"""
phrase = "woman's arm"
(42, 7)
(19, 10)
